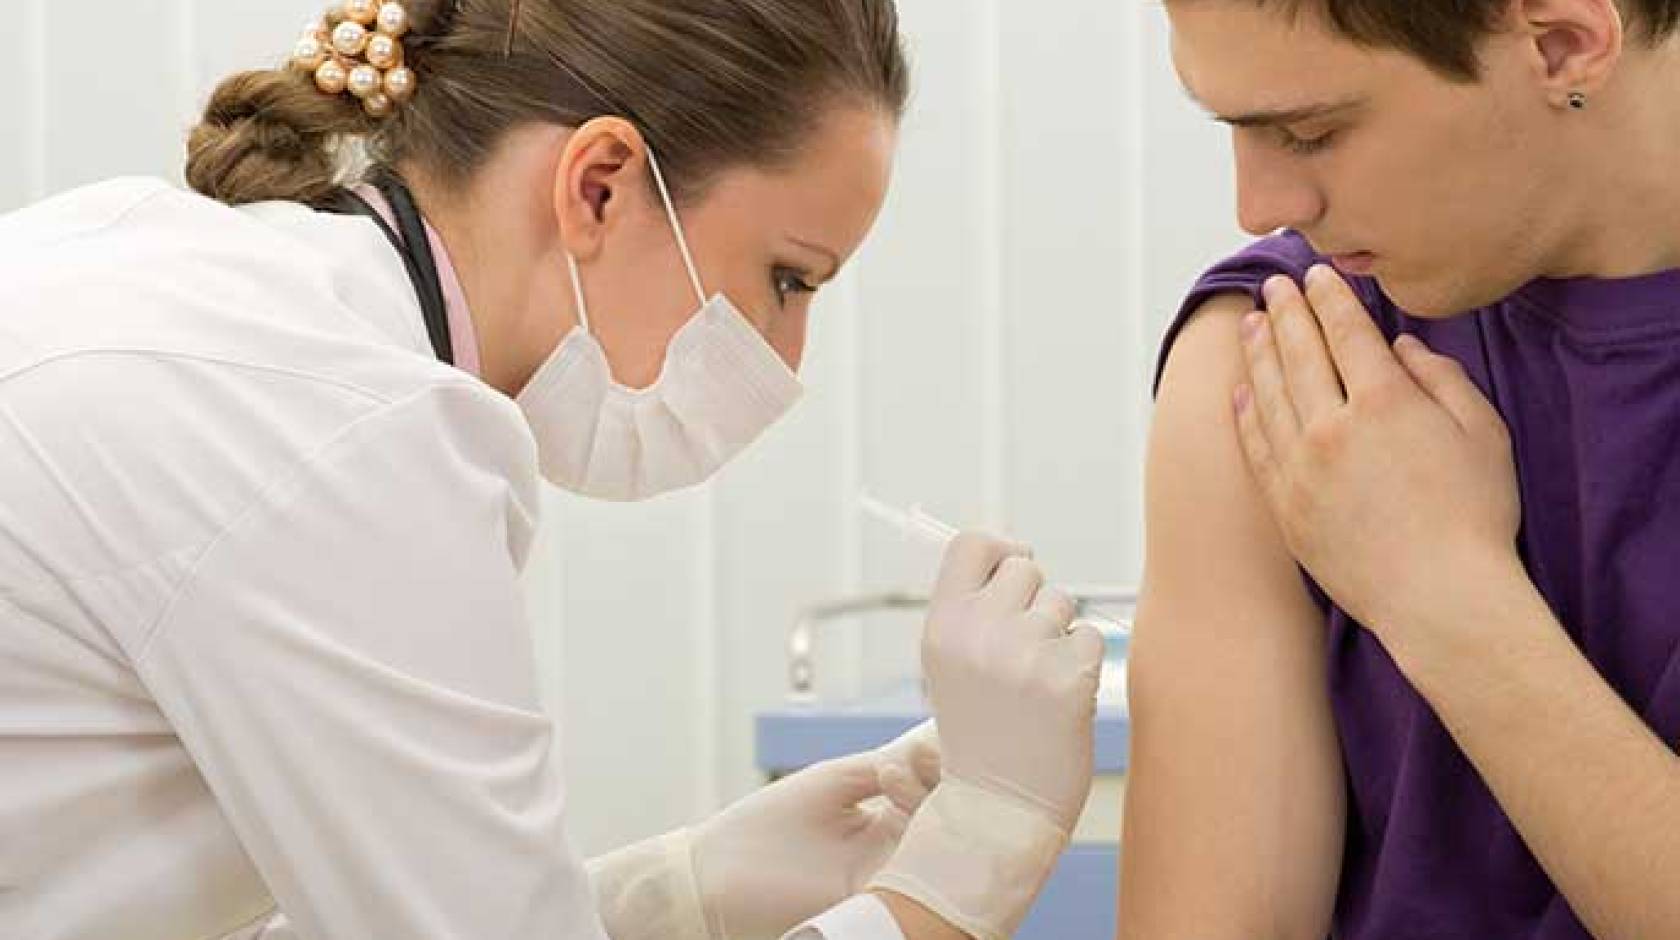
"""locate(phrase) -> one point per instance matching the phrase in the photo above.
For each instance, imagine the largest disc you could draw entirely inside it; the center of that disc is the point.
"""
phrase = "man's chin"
(1430, 299)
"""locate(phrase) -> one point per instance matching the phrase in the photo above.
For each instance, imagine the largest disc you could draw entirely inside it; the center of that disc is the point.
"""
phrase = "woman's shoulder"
(169, 344)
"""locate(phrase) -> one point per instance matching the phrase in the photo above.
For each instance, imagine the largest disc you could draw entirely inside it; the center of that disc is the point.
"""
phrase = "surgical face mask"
(721, 386)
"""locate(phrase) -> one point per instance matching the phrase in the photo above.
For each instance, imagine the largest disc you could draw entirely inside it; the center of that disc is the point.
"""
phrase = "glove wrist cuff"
(649, 891)
(976, 857)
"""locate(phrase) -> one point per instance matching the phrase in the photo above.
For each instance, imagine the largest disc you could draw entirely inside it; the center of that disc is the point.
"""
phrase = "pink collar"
(461, 334)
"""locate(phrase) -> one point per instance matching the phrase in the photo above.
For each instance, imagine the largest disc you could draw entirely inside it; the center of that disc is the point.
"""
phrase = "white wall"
(988, 355)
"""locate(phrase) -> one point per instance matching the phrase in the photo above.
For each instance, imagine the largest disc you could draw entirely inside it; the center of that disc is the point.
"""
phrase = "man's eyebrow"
(1277, 117)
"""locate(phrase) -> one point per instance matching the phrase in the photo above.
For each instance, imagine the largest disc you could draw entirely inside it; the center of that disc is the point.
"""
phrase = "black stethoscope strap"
(412, 245)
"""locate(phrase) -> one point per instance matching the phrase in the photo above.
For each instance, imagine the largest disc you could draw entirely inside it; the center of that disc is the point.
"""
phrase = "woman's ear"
(1577, 43)
(600, 163)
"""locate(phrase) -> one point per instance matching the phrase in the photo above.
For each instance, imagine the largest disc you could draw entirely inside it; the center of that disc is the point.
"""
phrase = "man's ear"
(1576, 43)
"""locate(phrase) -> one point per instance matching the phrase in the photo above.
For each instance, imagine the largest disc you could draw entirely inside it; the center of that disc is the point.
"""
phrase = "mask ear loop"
(682, 246)
(676, 226)
(577, 291)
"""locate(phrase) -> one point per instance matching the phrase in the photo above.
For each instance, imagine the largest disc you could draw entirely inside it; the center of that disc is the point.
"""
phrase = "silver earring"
(1578, 100)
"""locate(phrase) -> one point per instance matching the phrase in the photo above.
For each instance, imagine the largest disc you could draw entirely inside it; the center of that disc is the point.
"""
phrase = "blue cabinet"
(1078, 902)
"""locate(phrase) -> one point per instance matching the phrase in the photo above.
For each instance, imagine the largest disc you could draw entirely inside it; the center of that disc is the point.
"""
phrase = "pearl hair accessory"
(384, 52)
(361, 11)
(357, 48)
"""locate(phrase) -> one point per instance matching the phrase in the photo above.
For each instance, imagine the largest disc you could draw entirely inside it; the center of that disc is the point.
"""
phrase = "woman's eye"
(789, 283)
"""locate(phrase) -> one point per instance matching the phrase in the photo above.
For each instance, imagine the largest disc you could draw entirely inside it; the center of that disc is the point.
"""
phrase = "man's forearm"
(1594, 793)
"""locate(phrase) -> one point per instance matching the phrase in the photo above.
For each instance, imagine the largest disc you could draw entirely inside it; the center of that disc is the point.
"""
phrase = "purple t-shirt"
(1586, 373)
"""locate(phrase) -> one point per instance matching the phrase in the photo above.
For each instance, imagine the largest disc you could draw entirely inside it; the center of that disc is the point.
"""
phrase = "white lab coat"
(261, 636)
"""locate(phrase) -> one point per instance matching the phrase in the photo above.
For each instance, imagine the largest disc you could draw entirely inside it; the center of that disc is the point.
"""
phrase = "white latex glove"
(776, 858)
(910, 767)
(1013, 683)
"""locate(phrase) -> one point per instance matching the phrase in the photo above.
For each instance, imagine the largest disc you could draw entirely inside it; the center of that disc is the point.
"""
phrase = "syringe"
(918, 522)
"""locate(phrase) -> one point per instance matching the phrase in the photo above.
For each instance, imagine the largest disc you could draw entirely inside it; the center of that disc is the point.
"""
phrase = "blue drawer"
(1078, 902)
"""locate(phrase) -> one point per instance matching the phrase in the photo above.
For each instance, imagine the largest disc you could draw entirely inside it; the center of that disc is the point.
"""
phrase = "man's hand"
(1389, 473)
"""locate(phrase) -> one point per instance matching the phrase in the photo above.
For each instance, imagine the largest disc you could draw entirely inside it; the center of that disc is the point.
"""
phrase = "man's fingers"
(1445, 380)
(1269, 393)
(1257, 449)
(1357, 346)
(1309, 374)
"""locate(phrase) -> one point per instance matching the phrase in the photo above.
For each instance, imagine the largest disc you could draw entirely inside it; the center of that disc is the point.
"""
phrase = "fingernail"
(1274, 285)
(1319, 274)
(1241, 398)
(1251, 326)
(1407, 341)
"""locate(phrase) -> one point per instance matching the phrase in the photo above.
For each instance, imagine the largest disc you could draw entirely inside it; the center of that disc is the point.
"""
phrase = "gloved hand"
(774, 859)
(910, 766)
(1013, 683)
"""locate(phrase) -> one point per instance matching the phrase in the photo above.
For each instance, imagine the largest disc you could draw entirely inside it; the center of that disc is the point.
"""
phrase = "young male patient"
(1460, 724)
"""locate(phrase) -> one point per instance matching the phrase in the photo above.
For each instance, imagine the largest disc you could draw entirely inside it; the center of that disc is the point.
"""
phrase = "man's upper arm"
(1235, 810)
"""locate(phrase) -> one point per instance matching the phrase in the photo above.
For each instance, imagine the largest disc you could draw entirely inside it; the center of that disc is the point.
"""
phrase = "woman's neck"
(504, 242)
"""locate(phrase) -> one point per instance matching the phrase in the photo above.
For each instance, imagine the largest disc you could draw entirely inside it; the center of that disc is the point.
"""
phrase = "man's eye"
(1307, 145)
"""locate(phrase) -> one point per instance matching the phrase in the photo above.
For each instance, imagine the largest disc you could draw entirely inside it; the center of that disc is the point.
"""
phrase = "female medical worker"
(263, 668)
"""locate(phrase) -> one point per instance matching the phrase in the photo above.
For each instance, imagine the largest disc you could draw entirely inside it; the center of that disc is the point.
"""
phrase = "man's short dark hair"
(1446, 34)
